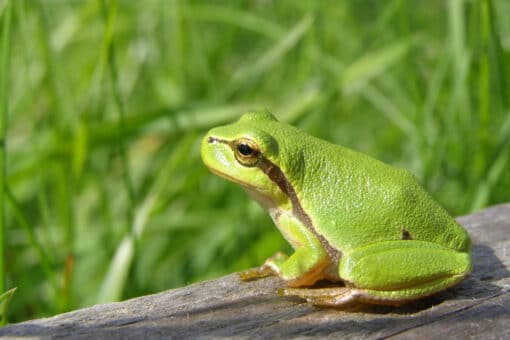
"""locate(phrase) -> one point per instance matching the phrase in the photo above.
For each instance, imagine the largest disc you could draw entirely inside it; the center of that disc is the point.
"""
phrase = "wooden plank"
(480, 306)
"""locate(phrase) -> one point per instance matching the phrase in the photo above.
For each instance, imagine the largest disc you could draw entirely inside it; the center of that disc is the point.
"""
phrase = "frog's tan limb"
(305, 266)
(268, 269)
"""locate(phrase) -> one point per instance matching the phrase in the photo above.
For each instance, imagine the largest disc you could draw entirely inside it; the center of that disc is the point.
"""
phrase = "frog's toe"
(270, 268)
(256, 273)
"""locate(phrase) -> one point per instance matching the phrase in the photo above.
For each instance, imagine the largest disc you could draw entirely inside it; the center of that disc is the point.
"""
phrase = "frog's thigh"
(402, 270)
(391, 273)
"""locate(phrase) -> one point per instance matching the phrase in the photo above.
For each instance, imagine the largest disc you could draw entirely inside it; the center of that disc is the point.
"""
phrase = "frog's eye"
(247, 152)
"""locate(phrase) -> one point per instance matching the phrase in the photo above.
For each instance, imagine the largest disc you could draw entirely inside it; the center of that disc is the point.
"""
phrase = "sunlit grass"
(108, 101)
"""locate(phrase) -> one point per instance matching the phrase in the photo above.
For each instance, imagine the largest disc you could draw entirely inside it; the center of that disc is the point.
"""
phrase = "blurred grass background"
(105, 103)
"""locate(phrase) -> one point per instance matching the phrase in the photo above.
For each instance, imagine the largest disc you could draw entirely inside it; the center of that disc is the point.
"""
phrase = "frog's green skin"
(349, 217)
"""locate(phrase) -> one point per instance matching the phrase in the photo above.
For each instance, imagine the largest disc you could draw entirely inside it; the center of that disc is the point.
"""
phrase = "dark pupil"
(244, 149)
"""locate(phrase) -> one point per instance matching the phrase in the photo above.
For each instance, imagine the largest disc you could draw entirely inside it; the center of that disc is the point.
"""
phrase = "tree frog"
(350, 218)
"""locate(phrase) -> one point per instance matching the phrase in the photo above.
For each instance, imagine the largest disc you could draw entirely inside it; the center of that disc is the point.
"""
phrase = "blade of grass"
(242, 19)
(430, 153)
(4, 107)
(479, 161)
(113, 284)
(273, 55)
(372, 64)
(110, 14)
(5, 298)
(68, 28)
(32, 238)
(61, 91)
(386, 107)
(497, 56)
(482, 194)
(293, 109)
(484, 89)
(458, 110)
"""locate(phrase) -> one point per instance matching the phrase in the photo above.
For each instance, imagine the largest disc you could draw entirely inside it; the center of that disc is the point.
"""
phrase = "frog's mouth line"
(277, 176)
(235, 180)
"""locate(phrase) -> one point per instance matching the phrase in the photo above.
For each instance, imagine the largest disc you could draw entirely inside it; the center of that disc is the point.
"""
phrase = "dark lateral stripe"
(276, 175)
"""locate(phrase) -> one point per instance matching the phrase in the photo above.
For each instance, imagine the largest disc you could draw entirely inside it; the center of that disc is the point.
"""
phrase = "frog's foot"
(345, 296)
(269, 268)
(327, 297)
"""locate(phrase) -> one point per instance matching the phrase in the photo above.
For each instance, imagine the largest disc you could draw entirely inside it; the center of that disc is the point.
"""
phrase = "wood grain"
(478, 307)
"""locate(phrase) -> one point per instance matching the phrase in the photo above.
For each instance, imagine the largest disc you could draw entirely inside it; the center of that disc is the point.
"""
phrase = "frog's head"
(247, 152)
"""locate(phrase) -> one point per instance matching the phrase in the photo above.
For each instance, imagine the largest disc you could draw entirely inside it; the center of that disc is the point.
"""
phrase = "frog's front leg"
(305, 266)
(392, 273)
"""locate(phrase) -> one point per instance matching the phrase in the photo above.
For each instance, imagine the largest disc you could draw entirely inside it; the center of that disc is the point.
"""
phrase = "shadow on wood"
(480, 306)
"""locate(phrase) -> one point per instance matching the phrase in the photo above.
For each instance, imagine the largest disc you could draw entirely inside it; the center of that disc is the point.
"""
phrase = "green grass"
(4, 67)
(106, 197)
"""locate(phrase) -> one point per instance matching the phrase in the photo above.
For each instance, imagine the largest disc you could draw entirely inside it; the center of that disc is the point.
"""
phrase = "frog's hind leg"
(391, 273)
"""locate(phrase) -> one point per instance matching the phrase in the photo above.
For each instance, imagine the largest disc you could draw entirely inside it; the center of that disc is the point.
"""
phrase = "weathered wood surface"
(479, 307)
